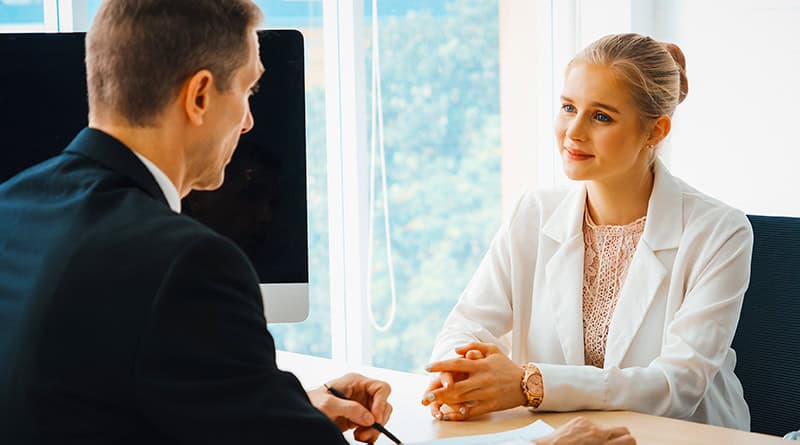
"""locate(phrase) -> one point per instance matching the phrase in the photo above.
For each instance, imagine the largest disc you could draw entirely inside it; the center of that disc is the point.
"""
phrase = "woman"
(622, 292)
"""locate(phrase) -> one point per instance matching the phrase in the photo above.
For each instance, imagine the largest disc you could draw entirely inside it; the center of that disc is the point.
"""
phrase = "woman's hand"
(480, 385)
(367, 404)
(580, 431)
(444, 380)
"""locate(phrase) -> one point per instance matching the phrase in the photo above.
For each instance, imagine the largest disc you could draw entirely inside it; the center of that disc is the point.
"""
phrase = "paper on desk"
(518, 436)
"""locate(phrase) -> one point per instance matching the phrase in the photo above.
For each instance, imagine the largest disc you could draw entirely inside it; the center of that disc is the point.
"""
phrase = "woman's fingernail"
(463, 411)
(444, 417)
(446, 384)
(438, 416)
(430, 397)
(428, 368)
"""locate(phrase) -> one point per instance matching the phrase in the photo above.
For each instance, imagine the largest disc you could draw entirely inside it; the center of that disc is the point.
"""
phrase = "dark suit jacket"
(122, 322)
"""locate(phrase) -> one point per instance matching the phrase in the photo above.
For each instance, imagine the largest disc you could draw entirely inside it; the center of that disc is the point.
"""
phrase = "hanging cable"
(376, 144)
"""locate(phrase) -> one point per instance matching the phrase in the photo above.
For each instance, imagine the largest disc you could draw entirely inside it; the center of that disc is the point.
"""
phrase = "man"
(122, 321)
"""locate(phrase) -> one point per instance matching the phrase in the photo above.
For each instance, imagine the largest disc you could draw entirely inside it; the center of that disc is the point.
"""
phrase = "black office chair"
(767, 341)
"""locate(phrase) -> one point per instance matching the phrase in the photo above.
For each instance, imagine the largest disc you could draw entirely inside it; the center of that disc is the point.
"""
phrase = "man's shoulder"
(151, 228)
(101, 213)
(178, 233)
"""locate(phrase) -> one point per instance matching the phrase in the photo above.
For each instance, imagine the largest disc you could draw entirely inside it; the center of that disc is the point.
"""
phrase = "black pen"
(375, 425)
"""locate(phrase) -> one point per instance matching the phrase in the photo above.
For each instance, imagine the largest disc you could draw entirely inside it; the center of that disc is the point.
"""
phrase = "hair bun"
(680, 60)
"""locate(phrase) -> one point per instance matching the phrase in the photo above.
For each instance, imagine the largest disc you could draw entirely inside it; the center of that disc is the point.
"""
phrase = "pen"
(375, 425)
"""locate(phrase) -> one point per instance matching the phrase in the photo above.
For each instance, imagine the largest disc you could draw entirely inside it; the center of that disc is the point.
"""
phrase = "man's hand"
(367, 404)
(580, 431)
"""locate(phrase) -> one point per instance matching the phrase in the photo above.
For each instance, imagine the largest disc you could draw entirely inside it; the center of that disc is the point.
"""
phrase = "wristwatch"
(532, 385)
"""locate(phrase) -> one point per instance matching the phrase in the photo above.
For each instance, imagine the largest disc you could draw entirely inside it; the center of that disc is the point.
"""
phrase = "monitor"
(262, 204)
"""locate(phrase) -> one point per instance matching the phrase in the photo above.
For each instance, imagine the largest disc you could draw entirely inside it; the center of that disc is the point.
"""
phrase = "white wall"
(736, 135)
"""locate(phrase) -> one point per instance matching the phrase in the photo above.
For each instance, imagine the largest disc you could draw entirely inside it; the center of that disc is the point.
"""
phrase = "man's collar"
(167, 187)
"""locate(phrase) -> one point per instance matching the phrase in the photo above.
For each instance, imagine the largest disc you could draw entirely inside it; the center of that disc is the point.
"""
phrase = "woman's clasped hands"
(481, 380)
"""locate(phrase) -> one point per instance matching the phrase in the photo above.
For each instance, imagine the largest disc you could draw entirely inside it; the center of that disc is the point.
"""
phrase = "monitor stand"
(285, 302)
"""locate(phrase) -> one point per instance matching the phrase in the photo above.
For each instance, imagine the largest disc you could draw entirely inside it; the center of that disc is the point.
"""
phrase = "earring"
(650, 146)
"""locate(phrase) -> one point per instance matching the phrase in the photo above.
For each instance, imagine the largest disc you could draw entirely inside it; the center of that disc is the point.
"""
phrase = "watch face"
(531, 385)
(534, 387)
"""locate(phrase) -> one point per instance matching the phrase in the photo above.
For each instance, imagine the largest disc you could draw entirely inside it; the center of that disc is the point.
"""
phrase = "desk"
(412, 422)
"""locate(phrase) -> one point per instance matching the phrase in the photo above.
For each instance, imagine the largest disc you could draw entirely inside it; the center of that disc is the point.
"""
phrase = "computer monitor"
(261, 206)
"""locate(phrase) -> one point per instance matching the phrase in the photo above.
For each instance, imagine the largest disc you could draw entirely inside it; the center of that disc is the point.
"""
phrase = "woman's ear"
(198, 97)
(660, 130)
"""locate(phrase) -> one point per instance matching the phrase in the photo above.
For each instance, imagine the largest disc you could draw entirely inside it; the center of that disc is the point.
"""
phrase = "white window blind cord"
(376, 144)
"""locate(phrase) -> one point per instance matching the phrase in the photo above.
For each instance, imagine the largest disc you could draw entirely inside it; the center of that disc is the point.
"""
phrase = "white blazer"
(669, 342)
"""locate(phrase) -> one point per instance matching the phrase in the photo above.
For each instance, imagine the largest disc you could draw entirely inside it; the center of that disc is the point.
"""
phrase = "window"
(433, 68)
(26, 16)
(21, 11)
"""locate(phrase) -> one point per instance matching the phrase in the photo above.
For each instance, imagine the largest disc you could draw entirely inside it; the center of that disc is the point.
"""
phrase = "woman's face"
(598, 128)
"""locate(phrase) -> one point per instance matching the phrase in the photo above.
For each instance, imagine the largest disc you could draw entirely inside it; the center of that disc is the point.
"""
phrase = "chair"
(767, 341)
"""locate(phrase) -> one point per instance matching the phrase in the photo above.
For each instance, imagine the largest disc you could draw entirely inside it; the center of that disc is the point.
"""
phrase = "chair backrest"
(767, 341)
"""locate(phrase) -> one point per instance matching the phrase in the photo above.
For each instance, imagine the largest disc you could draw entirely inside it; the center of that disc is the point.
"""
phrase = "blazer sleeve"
(206, 370)
(484, 312)
(696, 341)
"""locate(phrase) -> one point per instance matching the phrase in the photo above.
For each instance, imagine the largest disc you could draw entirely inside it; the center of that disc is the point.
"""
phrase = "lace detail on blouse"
(607, 255)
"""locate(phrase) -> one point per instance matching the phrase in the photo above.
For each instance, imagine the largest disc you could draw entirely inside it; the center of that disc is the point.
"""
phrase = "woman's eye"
(602, 117)
(568, 108)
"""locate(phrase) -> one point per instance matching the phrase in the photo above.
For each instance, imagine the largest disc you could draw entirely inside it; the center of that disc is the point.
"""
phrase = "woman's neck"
(619, 202)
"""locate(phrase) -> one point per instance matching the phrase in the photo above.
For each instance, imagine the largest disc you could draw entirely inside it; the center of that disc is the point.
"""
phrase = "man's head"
(140, 52)
(180, 68)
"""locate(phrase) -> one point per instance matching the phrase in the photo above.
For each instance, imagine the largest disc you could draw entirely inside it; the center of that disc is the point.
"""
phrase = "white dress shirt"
(669, 342)
(167, 187)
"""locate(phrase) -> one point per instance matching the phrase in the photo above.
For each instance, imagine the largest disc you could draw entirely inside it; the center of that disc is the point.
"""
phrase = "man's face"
(228, 118)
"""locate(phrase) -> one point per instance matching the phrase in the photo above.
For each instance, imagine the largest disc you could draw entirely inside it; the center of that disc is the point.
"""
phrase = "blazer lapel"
(564, 274)
(642, 282)
(646, 273)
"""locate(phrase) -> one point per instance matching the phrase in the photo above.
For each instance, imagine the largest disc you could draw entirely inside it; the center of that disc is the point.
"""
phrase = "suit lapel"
(564, 274)
(646, 273)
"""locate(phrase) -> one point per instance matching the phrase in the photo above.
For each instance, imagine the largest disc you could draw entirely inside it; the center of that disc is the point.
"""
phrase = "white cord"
(376, 141)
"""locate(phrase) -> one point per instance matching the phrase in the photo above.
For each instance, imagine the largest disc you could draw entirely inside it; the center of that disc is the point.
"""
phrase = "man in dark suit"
(122, 321)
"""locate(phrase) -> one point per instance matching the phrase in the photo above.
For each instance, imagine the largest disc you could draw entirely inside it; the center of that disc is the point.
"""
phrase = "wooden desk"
(412, 422)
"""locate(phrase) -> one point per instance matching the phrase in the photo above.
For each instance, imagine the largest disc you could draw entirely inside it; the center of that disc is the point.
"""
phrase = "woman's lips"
(577, 155)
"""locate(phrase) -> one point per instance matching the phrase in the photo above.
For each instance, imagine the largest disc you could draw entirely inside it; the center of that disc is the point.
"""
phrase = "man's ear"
(198, 98)
(660, 130)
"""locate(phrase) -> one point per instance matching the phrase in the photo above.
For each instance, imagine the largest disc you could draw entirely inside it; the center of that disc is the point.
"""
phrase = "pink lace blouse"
(608, 253)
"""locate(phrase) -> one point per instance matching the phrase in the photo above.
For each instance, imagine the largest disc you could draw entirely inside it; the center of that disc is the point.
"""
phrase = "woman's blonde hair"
(654, 72)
